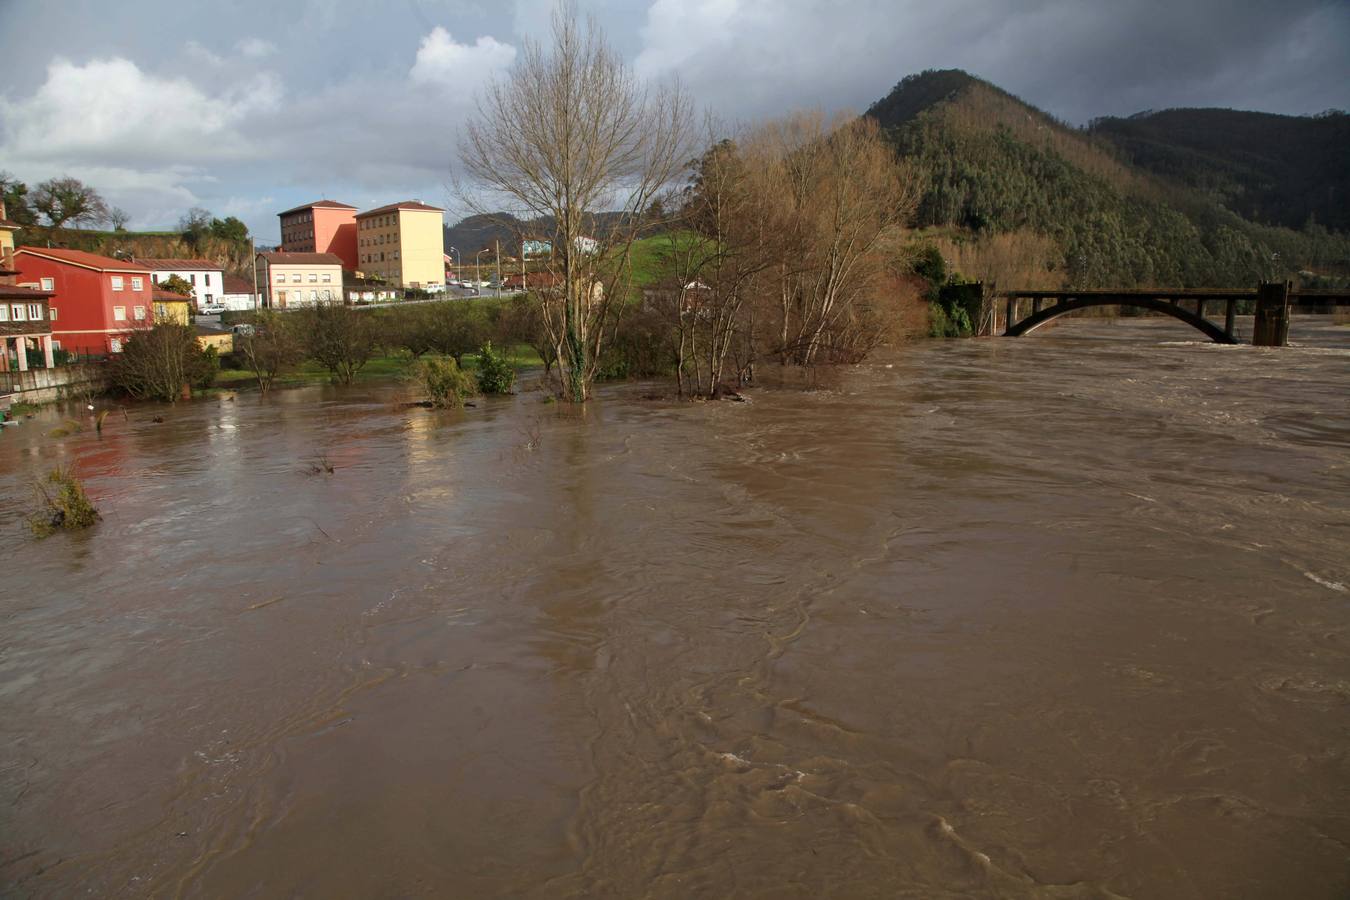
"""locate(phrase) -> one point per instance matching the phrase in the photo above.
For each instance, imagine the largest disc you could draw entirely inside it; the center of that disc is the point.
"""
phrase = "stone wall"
(46, 385)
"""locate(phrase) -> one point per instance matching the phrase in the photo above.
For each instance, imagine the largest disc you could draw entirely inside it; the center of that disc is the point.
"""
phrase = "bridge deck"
(1301, 297)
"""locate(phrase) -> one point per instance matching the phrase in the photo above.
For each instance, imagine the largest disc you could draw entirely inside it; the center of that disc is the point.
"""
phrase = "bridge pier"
(1272, 315)
(1228, 319)
(1200, 307)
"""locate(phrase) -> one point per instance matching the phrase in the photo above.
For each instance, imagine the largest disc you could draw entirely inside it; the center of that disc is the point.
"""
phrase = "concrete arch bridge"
(1028, 310)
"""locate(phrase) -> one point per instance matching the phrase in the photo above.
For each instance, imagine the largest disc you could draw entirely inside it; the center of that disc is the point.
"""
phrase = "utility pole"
(497, 242)
(253, 259)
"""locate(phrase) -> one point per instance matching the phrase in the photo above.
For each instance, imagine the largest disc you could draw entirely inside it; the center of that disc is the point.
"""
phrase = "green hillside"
(994, 165)
(1282, 170)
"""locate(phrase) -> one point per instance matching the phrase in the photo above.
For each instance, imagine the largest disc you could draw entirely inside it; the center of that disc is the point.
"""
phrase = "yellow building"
(403, 243)
(171, 307)
(223, 341)
(7, 229)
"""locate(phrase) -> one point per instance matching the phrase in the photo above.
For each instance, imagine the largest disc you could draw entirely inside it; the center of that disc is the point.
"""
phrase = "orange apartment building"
(324, 226)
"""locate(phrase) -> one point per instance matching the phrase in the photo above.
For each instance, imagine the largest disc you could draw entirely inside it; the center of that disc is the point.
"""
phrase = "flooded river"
(1066, 616)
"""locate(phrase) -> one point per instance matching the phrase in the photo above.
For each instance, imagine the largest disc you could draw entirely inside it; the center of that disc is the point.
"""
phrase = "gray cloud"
(253, 106)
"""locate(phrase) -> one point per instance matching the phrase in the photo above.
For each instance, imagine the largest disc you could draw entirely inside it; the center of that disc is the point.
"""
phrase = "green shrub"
(495, 374)
(445, 383)
(62, 504)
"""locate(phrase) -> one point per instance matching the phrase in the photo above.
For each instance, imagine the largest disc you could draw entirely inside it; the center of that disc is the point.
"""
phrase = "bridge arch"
(1073, 304)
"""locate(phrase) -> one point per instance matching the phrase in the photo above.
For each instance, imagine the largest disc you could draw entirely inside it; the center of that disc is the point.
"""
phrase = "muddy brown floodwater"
(1064, 616)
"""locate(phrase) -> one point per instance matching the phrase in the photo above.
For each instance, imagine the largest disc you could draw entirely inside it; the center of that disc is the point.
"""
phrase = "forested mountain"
(997, 171)
(480, 232)
(1282, 170)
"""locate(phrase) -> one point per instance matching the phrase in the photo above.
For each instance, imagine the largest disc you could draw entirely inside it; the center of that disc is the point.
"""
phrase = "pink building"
(324, 226)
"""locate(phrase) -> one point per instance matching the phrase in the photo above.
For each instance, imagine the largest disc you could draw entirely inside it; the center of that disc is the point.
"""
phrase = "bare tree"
(851, 197)
(162, 362)
(272, 345)
(790, 247)
(341, 338)
(118, 218)
(569, 134)
(63, 201)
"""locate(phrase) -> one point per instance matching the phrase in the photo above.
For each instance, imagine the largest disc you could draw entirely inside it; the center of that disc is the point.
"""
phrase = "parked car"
(243, 329)
(210, 309)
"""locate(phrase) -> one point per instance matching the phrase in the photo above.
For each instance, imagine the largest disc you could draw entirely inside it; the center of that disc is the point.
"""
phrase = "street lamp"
(457, 263)
(477, 273)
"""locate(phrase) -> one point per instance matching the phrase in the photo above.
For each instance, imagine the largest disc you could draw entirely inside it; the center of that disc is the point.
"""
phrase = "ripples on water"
(1056, 617)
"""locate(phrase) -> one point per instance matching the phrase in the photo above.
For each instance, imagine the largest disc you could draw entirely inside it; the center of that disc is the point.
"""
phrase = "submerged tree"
(569, 134)
(790, 245)
(340, 338)
(272, 345)
(158, 363)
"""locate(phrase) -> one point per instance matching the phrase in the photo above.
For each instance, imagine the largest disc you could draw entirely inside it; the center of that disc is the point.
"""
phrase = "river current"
(1065, 616)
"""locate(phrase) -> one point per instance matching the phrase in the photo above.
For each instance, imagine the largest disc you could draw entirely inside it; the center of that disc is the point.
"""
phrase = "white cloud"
(108, 111)
(677, 31)
(200, 54)
(255, 48)
(443, 61)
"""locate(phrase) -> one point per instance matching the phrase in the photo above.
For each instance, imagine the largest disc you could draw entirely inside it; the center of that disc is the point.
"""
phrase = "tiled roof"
(236, 285)
(181, 265)
(406, 204)
(318, 204)
(168, 296)
(14, 292)
(6, 223)
(87, 260)
(282, 258)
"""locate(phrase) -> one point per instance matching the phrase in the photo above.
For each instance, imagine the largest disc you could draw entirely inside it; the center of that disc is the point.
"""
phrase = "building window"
(295, 279)
(51, 313)
(206, 279)
(48, 284)
(313, 278)
(4, 313)
(281, 278)
(35, 312)
(17, 314)
(117, 282)
(115, 345)
(139, 313)
(192, 278)
(137, 284)
(119, 313)
(327, 277)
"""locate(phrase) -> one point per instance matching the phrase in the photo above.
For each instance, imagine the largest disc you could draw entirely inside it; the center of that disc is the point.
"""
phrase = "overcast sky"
(248, 107)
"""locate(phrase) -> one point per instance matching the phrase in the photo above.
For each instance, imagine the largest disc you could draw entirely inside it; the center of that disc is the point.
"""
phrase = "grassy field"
(651, 255)
(395, 365)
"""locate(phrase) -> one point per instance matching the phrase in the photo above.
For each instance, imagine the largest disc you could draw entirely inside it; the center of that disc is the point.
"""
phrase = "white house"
(207, 278)
(238, 295)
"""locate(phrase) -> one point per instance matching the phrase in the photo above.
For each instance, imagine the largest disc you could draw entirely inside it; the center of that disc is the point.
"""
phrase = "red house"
(97, 300)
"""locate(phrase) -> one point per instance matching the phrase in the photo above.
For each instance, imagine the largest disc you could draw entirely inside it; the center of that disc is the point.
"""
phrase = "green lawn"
(650, 255)
(519, 356)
